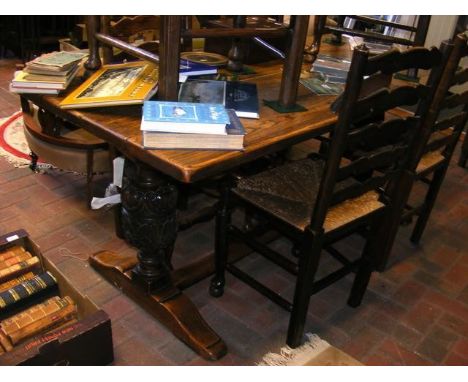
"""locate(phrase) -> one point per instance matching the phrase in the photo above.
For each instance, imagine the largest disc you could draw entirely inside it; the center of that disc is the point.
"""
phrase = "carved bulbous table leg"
(149, 205)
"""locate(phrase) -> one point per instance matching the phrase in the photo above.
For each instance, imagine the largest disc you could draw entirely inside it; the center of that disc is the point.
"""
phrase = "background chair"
(64, 146)
(464, 152)
(316, 202)
(142, 31)
(441, 132)
(378, 29)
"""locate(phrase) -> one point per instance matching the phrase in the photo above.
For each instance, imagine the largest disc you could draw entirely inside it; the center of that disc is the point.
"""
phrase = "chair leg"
(391, 221)
(464, 152)
(429, 202)
(223, 219)
(89, 176)
(368, 260)
(33, 164)
(308, 264)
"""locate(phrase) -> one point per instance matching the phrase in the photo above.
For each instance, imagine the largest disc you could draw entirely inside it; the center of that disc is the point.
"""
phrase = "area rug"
(315, 352)
(13, 145)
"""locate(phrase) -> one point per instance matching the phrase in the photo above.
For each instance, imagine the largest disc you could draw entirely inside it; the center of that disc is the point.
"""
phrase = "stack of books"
(47, 74)
(184, 125)
(334, 69)
(28, 301)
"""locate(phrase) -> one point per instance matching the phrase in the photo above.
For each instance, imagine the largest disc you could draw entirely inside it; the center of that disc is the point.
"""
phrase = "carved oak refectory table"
(149, 196)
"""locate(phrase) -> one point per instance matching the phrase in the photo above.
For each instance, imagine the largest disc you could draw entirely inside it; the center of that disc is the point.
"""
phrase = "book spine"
(26, 288)
(10, 284)
(14, 260)
(65, 314)
(5, 342)
(18, 269)
(30, 315)
(11, 252)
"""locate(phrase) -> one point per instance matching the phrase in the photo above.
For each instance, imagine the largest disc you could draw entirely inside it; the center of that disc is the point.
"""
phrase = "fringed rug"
(13, 145)
(315, 352)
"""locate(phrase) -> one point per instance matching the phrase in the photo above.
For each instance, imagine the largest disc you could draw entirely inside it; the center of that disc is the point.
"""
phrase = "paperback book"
(240, 96)
(56, 61)
(21, 80)
(232, 140)
(113, 85)
(184, 117)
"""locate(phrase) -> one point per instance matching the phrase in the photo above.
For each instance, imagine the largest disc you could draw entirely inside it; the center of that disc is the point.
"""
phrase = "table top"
(120, 126)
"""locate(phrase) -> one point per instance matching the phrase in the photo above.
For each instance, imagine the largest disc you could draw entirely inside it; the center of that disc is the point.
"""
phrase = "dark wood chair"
(448, 114)
(316, 202)
(64, 146)
(141, 31)
(464, 152)
(417, 33)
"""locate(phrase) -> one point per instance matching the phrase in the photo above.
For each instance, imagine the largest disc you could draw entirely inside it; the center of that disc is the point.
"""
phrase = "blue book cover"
(184, 112)
(189, 68)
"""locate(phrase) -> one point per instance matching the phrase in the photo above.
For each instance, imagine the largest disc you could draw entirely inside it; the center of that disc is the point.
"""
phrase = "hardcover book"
(38, 318)
(25, 289)
(23, 79)
(18, 269)
(14, 260)
(23, 90)
(240, 96)
(112, 85)
(18, 280)
(184, 117)
(11, 252)
(233, 140)
(189, 68)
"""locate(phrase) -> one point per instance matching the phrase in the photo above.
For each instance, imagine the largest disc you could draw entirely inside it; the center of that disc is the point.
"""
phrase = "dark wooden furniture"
(149, 193)
(447, 116)
(143, 31)
(417, 32)
(63, 145)
(464, 152)
(318, 201)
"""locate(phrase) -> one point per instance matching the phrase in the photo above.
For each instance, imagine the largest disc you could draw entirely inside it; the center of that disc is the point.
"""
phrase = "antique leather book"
(18, 269)
(13, 297)
(16, 281)
(11, 252)
(15, 260)
(50, 314)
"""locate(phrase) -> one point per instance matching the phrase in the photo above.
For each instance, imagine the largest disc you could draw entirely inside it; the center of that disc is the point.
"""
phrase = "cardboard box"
(87, 342)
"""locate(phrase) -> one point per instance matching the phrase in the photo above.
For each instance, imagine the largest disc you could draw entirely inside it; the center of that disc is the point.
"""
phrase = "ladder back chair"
(446, 118)
(417, 33)
(464, 152)
(315, 202)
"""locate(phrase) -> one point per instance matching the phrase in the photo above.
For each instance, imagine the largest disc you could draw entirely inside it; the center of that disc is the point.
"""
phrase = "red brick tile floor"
(415, 313)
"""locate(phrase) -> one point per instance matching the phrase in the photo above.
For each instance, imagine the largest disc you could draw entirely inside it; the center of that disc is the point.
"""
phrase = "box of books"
(44, 320)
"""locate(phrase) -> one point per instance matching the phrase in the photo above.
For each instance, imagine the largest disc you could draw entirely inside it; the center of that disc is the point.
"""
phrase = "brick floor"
(416, 313)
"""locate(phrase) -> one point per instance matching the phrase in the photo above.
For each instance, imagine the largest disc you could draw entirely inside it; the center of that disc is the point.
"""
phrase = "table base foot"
(169, 306)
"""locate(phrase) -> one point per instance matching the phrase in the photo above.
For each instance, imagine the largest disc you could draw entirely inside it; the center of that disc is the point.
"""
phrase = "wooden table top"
(120, 126)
